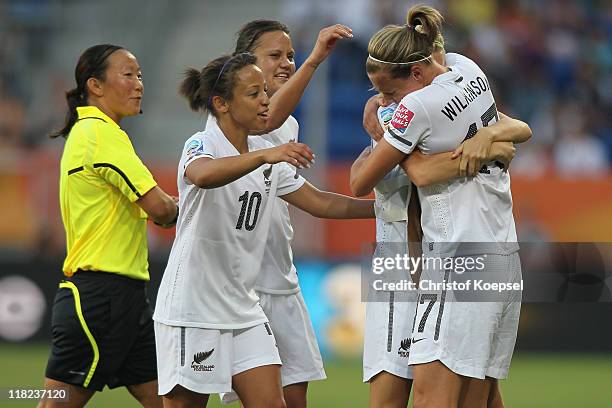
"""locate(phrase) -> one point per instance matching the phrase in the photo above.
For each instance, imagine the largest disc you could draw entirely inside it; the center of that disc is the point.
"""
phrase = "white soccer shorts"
(389, 320)
(204, 360)
(295, 338)
(473, 339)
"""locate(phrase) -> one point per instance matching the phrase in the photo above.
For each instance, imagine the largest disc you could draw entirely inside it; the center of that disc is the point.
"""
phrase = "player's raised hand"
(370, 117)
(474, 153)
(328, 37)
(296, 154)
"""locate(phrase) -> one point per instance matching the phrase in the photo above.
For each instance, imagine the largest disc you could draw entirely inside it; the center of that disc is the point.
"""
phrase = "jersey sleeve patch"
(401, 119)
(385, 114)
(194, 148)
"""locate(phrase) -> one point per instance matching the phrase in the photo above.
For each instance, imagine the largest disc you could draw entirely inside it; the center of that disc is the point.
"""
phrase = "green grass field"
(536, 380)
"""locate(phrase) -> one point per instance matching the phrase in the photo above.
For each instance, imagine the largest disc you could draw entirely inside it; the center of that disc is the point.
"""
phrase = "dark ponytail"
(217, 78)
(190, 88)
(92, 64)
(74, 99)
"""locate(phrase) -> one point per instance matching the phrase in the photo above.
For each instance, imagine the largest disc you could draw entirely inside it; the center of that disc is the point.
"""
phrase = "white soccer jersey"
(392, 193)
(437, 119)
(278, 274)
(220, 240)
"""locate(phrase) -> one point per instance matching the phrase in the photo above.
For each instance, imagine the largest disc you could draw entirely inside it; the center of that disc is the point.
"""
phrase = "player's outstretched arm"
(508, 129)
(285, 100)
(425, 170)
(323, 204)
(360, 161)
(212, 173)
(370, 168)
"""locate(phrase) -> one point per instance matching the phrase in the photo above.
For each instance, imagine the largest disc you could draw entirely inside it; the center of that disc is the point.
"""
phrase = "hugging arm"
(323, 204)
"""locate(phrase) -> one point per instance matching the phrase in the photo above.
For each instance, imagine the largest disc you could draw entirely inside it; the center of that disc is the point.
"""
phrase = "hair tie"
(400, 63)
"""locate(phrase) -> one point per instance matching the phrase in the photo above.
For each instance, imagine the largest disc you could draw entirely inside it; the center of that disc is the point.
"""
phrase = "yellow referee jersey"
(101, 178)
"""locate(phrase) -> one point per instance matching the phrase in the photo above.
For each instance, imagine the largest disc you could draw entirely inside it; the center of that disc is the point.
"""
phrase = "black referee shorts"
(102, 332)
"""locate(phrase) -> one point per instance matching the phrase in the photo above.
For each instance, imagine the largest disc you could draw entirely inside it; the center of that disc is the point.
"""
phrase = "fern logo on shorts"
(404, 348)
(198, 358)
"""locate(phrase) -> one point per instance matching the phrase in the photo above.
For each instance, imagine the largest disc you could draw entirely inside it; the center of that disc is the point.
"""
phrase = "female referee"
(277, 285)
(212, 334)
(101, 326)
(447, 338)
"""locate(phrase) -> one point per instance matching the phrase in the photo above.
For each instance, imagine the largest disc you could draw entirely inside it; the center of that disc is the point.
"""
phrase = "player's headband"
(399, 63)
(225, 64)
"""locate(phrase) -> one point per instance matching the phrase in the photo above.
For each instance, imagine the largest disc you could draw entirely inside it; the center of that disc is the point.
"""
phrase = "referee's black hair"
(251, 31)
(217, 78)
(92, 64)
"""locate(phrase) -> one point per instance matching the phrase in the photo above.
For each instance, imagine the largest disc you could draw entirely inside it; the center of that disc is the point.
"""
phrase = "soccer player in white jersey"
(388, 331)
(458, 349)
(211, 333)
(277, 284)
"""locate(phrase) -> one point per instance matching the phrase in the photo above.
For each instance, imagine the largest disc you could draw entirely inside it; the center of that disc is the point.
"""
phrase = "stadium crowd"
(549, 62)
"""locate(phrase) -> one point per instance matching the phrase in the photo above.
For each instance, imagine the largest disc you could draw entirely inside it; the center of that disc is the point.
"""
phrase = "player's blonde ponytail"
(427, 24)
(395, 48)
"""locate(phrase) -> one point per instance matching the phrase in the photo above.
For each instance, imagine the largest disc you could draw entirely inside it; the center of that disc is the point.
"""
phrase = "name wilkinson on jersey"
(198, 358)
(469, 92)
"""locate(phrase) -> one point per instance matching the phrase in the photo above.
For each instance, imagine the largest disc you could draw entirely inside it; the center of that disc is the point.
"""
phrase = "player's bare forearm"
(323, 204)
(212, 173)
(508, 129)
(425, 170)
(374, 168)
(476, 151)
(358, 163)
(339, 206)
(285, 100)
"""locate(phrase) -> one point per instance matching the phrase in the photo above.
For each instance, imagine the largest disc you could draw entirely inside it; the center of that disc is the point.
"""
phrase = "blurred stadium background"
(549, 64)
